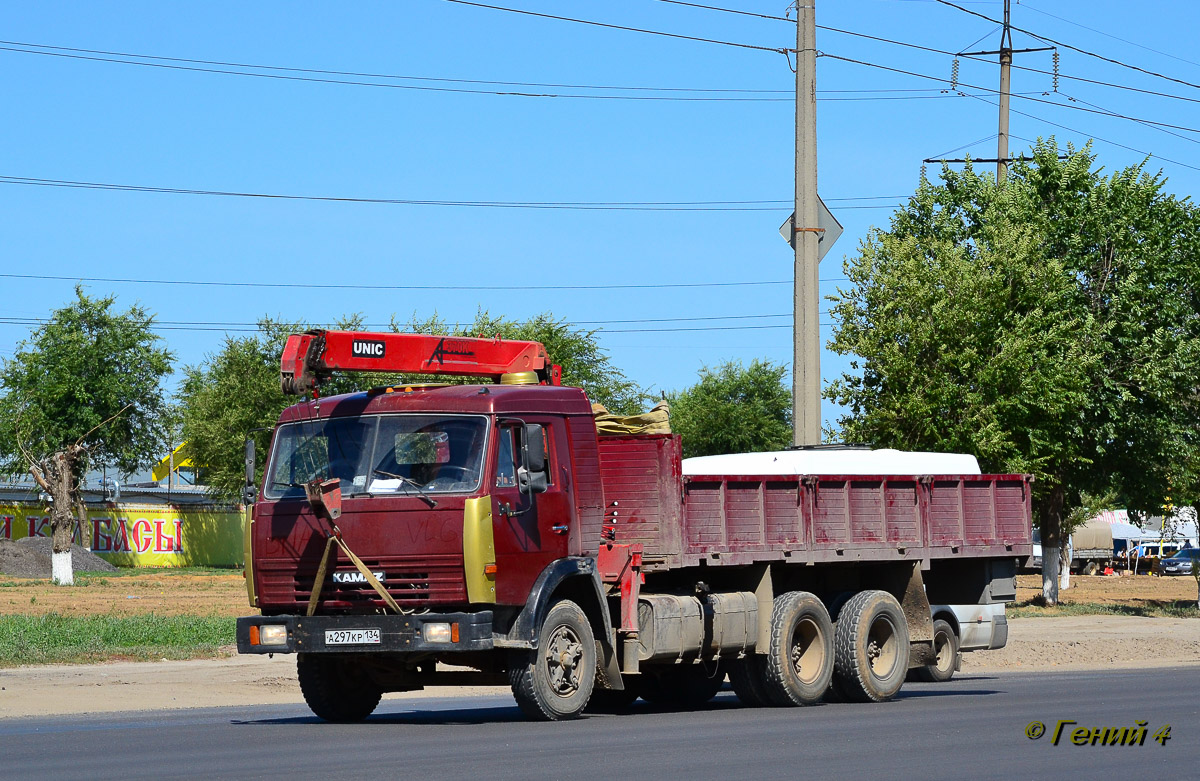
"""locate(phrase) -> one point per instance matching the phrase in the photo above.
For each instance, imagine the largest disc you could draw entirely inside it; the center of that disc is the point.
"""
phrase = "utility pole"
(806, 329)
(1006, 53)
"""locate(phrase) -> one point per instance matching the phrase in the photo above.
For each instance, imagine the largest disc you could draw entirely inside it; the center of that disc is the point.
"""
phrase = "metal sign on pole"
(828, 229)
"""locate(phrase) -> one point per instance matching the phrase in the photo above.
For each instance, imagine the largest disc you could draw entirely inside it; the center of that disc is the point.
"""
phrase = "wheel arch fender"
(575, 578)
(948, 616)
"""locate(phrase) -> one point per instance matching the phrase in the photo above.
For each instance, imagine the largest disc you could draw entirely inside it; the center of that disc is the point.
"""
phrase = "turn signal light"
(489, 569)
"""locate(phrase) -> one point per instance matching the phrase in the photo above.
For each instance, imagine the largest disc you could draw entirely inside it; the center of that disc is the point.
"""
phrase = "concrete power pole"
(806, 333)
(1006, 55)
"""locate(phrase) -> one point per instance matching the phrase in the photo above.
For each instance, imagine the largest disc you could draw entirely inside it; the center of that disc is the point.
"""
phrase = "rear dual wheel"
(871, 648)
(798, 665)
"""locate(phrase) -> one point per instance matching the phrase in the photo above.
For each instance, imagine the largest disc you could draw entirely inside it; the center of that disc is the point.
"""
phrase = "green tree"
(85, 389)
(585, 364)
(234, 394)
(734, 409)
(1048, 325)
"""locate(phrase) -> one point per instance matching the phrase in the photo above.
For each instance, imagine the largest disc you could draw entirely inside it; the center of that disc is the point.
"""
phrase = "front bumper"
(397, 634)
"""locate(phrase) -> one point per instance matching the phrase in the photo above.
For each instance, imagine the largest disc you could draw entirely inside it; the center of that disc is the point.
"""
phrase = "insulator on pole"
(954, 75)
(1056, 70)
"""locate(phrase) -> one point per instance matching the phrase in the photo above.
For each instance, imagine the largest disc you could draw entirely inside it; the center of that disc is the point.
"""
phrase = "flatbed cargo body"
(724, 520)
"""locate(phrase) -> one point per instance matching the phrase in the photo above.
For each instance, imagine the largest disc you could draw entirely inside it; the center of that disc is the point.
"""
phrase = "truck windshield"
(380, 454)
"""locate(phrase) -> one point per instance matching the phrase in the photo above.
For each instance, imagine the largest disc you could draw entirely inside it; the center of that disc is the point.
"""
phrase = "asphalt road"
(971, 728)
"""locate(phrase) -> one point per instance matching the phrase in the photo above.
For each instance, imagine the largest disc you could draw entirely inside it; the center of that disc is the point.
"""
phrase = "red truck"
(419, 535)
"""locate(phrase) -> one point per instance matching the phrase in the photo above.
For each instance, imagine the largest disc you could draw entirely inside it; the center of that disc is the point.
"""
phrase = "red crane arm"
(310, 358)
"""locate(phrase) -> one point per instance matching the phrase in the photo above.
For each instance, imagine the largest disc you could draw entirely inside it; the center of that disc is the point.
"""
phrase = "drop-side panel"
(586, 482)
(735, 520)
(642, 501)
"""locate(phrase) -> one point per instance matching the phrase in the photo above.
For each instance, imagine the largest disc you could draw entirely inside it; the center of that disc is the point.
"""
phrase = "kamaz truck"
(429, 534)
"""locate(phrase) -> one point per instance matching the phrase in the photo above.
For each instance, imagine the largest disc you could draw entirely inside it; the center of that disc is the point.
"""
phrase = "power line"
(967, 146)
(776, 50)
(728, 10)
(330, 286)
(465, 91)
(973, 58)
(1108, 35)
(416, 87)
(30, 48)
(162, 327)
(1092, 136)
(753, 205)
(392, 76)
(691, 94)
(31, 319)
(1149, 125)
(1114, 115)
(1075, 48)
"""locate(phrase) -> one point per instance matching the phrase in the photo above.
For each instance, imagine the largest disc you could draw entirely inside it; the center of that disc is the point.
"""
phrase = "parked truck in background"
(489, 528)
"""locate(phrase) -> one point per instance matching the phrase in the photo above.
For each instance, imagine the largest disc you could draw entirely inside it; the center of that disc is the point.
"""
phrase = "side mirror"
(533, 454)
(249, 491)
(531, 477)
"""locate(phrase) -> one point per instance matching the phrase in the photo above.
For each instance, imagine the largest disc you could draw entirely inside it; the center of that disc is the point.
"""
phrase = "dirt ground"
(1132, 590)
(162, 592)
(224, 594)
(1035, 643)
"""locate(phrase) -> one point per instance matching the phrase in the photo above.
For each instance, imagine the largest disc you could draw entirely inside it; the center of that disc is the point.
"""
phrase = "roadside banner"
(142, 534)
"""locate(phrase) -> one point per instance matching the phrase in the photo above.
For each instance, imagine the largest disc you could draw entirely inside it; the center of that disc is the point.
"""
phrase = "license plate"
(351, 637)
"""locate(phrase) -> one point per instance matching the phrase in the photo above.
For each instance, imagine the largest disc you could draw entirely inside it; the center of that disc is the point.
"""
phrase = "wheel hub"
(563, 654)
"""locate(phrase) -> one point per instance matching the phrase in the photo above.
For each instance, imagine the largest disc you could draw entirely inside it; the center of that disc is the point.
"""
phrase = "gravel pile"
(29, 557)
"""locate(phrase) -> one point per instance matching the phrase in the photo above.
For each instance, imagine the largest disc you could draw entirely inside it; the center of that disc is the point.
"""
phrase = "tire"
(682, 686)
(555, 681)
(945, 649)
(1090, 568)
(334, 690)
(870, 647)
(799, 660)
(748, 682)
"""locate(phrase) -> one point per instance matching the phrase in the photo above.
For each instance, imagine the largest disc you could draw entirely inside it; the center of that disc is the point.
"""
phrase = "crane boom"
(310, 358)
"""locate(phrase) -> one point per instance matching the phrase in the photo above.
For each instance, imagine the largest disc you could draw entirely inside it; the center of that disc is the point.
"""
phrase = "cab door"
(530, 528)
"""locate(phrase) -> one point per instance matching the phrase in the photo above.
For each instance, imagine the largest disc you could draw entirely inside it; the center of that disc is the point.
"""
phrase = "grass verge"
(1149, 609)
(57, 639)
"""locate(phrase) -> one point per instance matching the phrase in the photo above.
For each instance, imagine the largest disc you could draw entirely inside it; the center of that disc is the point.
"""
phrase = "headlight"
(436, 633)
(272, 634)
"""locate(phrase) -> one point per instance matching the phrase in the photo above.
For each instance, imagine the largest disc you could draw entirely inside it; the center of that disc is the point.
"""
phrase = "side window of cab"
(508, 458)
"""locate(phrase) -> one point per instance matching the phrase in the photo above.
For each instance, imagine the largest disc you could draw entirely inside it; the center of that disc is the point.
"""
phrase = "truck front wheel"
(871, 649)
(334, 689)
(555, 681)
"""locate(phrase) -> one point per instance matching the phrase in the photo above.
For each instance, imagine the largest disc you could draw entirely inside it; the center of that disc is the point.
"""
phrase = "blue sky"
(83, 119)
